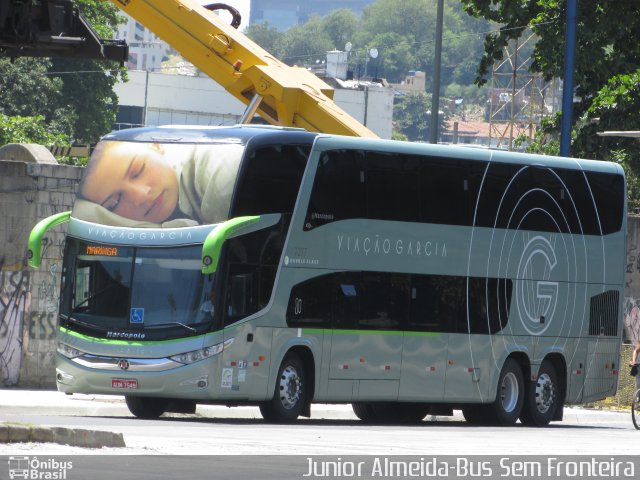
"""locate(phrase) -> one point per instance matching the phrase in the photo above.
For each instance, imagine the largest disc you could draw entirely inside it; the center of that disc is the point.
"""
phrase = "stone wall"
(30, 192)
(632, 281)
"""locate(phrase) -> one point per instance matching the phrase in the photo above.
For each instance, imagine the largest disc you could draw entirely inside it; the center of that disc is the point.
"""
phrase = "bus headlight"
(67, 351)
(197, 355)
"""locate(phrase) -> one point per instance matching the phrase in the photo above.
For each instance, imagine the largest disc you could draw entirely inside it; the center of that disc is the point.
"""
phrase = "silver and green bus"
(276, 267)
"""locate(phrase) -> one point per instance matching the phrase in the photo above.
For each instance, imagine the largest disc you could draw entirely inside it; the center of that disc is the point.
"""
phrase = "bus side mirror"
(213, 243)
(34, 251)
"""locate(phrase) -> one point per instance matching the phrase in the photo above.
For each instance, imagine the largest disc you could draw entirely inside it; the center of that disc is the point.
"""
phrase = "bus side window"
(347, 295)
(310, 303)
(241, 292)
(338, 189)
(384, 304)
(437, 304)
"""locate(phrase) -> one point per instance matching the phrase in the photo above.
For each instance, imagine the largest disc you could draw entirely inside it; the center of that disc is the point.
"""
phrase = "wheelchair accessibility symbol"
(137, 315)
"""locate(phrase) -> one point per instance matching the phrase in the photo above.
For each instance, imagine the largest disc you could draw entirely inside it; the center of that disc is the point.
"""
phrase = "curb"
(75, 437)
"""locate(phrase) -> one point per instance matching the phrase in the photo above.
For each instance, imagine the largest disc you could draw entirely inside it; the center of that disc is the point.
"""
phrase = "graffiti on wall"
(632, 318)
(15, 301)
(27, 313)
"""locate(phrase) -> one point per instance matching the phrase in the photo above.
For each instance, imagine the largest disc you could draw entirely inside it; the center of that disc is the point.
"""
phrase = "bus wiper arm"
(89, 298)
(168, 324)
(72, 319)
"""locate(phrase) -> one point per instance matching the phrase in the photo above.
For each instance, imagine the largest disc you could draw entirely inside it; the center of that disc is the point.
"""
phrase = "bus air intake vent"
(603, 315)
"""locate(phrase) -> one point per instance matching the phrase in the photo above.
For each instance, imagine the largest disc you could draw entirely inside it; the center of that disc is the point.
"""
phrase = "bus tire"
(364, 411)
(507, 406)
(290, 392)
(542, 397)
(146, 407)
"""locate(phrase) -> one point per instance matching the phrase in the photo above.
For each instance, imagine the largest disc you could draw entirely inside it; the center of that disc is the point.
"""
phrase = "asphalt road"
(332, 430)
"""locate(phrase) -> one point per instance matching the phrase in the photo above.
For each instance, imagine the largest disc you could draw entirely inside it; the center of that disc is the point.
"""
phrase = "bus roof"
(206, 134)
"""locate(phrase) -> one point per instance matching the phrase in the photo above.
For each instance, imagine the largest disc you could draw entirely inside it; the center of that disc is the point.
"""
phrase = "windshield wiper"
(89, 298)
(169, 324)
(71, 319)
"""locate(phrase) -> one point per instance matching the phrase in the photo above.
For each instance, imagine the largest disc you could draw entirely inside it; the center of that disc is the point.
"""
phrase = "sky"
(241, 5)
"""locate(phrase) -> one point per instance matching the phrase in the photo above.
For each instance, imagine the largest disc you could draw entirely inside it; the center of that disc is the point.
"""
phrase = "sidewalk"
(48, 402)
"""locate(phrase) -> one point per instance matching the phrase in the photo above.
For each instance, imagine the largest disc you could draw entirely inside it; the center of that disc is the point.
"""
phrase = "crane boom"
(282, 95)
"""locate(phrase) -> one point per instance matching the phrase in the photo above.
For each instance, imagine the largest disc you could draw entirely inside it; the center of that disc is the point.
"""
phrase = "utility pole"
(435, 96)
(567, 86)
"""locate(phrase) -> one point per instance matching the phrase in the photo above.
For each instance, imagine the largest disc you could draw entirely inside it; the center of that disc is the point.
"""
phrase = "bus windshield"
(134, 292)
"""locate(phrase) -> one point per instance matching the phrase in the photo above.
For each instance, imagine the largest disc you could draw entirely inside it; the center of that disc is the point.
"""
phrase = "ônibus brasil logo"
(35, 469)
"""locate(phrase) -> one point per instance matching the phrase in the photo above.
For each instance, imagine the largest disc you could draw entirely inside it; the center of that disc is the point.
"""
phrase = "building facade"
(146, 50)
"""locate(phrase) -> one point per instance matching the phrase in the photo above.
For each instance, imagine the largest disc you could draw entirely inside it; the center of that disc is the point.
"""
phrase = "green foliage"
(629, 164)
(28, 130)
(340, 25)
(545, 140)
(606, 76)
(74, 98)
(413, 118)
(266, 36)
(403, 32)
(305, 44)
(607, 37)
(395, 135)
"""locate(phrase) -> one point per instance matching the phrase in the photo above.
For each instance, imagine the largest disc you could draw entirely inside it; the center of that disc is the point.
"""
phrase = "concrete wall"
(632, 281)
(30, 192)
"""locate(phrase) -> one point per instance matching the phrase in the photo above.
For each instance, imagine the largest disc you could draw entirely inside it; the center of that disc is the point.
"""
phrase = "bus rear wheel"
(146, 407)
(542, 397)
(290, 393)
(507, 406)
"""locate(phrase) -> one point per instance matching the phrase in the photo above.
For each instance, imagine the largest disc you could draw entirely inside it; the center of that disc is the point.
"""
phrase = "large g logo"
(536, 294)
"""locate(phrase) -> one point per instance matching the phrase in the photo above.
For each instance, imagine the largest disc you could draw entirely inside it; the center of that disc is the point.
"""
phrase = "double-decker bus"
(276, 267)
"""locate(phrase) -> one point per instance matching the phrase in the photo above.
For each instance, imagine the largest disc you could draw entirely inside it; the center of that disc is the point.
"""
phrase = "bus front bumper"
(149, 377)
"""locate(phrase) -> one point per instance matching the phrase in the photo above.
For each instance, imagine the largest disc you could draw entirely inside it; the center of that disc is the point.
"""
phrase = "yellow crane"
(282, 95)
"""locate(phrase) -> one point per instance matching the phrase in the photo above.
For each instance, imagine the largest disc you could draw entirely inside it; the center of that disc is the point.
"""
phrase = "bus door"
(246, 359)
(424, 353)
(469, 364)
(601, 367)
(472, 318)
(366, 343)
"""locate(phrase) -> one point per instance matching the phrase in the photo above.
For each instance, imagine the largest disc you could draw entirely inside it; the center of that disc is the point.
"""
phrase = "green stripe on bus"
(388, 333)
(129, 342)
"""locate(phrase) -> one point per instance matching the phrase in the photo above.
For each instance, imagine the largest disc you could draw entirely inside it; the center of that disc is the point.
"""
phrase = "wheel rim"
(509, 392)
(290, 387)
(544, 393)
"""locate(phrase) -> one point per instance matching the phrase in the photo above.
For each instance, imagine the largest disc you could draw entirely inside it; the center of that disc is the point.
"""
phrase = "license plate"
(124, 383)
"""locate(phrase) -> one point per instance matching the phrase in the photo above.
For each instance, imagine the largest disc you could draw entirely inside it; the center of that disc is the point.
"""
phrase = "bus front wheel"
(290, 392)
(146, 407)
(542, 397)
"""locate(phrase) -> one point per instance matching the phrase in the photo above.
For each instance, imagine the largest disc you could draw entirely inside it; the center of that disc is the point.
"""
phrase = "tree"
(608, 44)
(304, 44)
(74, 97)
(415, 22)
(412, 116)
(340, 25)
(266, 36)
(28, 130)
(616, 107)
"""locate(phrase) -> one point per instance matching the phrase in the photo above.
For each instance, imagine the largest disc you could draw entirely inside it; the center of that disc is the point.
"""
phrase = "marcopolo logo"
(36, 469)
